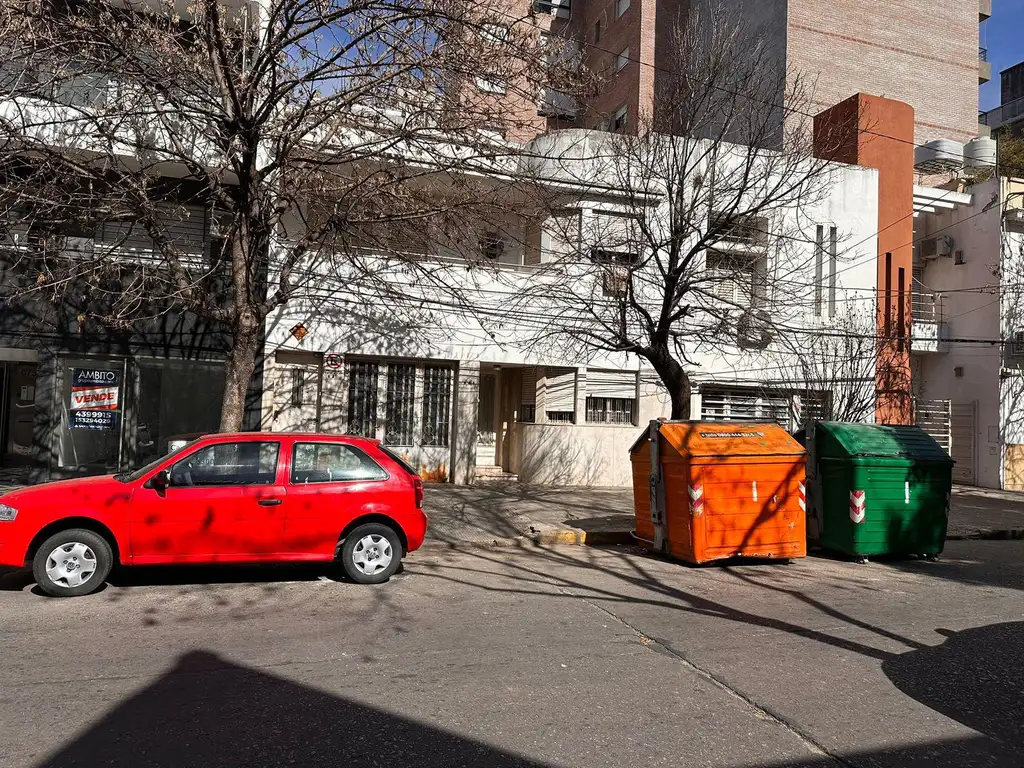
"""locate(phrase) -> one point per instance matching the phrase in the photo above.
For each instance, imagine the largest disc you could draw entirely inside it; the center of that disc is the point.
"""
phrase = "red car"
(227, 498)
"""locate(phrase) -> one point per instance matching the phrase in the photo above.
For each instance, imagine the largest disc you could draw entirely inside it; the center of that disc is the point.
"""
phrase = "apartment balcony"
(928, 332)
(984, 66)
(984, 10)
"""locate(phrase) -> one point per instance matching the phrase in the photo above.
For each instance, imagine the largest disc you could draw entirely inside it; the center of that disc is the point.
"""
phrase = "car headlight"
(7, 513)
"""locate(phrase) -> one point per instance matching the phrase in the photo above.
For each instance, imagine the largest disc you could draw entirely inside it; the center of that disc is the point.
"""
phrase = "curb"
(1004, 534)
(560, 537)
(576, 537)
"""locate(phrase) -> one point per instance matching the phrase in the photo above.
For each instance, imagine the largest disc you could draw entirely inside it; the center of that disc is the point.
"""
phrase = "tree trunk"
(240, 367)
(676, 381)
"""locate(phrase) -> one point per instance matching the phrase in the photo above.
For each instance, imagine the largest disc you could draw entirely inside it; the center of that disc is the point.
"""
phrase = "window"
(621, 59)
(738, 229)
(490, 85)
(399, 410)
(528, 397)
(492, 246)
(244, 463)
(437, 404)
(362, 399)
(611, 410)
(559, 390)
(620, 119)
(611, 396)
(332, 462)
(733, 278)
(746, 404)
(621, 6)
(597, 31)
(298, 384)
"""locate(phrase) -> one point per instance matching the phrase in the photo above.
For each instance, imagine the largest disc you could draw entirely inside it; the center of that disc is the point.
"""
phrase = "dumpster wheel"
(861, 560)
(931, 557)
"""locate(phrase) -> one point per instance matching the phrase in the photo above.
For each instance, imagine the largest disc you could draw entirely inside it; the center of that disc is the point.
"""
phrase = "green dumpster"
(878, 489)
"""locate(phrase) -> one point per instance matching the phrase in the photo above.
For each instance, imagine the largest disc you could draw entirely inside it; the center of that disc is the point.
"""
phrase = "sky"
(1003, 35)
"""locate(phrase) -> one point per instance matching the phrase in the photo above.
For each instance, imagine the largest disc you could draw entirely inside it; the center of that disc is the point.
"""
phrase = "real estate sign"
(95, 398)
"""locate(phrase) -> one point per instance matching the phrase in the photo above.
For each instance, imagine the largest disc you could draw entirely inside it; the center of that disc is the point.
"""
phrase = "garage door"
(962, 449)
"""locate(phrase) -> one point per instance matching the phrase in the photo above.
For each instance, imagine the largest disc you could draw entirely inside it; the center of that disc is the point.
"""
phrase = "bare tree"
(832, 371)
(709, 251)
(303, 131)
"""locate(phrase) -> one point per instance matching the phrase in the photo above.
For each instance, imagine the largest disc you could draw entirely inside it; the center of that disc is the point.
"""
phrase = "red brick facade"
(924, 54)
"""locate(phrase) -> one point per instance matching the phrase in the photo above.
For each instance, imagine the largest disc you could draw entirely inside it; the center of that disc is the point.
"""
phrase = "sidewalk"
(520, 515)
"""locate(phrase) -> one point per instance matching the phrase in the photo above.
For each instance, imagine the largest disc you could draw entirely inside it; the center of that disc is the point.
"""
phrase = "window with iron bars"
(400, 406)
(611, 410)
(362, 399)
(437, 405)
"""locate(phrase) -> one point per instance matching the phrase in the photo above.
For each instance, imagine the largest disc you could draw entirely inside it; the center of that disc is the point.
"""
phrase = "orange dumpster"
(718, 490)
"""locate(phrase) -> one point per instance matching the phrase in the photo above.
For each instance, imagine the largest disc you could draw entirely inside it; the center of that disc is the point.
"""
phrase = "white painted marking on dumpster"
(906, 491)
(755, 489)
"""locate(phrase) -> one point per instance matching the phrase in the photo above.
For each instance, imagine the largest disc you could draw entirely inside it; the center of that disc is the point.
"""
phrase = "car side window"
(243, 463)
(332, 463)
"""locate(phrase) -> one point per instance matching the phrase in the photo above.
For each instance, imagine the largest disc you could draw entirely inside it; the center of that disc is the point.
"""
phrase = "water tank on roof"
(939, 156)
(980, 153)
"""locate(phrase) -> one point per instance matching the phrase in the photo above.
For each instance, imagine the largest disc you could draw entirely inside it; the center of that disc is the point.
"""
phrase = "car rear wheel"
(371, 553)
(72, 563)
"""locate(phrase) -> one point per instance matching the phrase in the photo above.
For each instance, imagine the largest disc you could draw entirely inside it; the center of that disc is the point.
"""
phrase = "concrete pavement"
(570, 656)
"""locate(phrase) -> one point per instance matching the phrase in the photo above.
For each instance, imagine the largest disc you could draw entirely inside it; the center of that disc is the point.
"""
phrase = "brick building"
(923, 54)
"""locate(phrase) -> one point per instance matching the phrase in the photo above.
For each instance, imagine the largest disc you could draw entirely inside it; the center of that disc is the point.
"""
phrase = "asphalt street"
(571, 656)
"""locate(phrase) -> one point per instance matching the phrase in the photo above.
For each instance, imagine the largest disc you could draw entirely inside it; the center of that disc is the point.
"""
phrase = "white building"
(465, 389)
(968, 335)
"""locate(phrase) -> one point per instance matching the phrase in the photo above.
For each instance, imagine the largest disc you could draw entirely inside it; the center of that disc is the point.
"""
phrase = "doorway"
(17, 412)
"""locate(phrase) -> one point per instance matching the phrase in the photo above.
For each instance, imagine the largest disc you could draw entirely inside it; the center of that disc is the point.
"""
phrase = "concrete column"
(581, 396)
(465, 416)
(499, 415)
(540, 415)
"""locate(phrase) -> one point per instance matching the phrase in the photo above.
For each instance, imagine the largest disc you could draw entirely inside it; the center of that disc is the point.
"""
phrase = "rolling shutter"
(612, 384)
(529, 393)
(559, 389)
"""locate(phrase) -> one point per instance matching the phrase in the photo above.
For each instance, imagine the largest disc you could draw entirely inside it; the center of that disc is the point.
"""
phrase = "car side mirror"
(161, 480)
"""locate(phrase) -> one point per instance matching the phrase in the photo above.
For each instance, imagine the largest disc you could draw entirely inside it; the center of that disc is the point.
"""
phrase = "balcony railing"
(927, 333)
(983, 53)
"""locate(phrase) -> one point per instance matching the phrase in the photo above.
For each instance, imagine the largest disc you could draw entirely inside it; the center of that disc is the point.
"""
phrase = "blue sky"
(1003, 35)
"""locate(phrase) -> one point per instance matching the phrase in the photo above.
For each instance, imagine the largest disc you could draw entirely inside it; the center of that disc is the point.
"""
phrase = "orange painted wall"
(879, 133)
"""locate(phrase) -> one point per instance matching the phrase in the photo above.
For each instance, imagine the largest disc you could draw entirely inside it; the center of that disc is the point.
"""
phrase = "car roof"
(224, 436)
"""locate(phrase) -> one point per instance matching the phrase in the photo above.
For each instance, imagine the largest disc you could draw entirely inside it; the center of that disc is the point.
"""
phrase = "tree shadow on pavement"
(975, 677)
(209, 712)
(634, 579)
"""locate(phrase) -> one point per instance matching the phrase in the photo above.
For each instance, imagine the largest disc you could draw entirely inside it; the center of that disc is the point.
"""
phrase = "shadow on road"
(207, 711)
(971, 663)
(975, 677)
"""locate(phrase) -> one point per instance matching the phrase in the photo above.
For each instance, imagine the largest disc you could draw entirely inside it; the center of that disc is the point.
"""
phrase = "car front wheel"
(371, 553)
(72, 563)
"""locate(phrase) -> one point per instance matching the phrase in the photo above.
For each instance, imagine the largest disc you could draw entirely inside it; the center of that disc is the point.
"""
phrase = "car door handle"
(268, 502)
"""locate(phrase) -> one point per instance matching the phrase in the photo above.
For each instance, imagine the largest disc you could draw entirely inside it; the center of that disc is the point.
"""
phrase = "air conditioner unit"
(1017, 344)
(946, 246)
(928, 248)
(754, 330)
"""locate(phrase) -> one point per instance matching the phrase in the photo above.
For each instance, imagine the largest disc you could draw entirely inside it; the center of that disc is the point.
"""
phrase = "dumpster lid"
(725, 438)
(841, 440)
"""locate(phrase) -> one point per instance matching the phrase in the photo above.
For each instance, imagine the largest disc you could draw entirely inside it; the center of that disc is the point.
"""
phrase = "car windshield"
(138, 474)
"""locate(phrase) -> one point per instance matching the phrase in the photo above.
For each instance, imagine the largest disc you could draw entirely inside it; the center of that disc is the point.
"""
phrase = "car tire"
(61, 565)
(371, 553)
